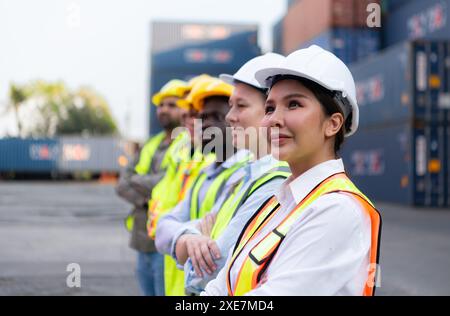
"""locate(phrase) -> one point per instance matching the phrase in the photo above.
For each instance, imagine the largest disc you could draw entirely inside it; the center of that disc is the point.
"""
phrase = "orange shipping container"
(308, 18)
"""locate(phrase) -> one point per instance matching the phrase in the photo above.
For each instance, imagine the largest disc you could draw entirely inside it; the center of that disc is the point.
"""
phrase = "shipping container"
(403, 163)
(349, 44)
(277, 37)
(418, 19)
(93, 154)
(28, 155)
(213, 58)
(307, 19)
(406, 82)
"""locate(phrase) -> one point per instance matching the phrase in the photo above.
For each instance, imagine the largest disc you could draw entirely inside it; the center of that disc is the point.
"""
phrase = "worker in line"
(136, 187)
(319, 235)
(210, 99)
(208, 247)
(184, 168)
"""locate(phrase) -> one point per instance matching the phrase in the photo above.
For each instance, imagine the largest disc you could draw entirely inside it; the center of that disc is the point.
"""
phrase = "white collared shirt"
(326, 251)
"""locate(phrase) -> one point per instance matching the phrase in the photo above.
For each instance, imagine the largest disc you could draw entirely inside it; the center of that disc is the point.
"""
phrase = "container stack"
(401, 152)
(184, 50)
(339, 26)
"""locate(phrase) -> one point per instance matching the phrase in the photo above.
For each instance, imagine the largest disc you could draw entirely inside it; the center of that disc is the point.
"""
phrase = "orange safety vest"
(261, 255)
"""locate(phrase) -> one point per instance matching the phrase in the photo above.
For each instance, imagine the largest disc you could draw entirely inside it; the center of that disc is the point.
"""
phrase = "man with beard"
(136, 185)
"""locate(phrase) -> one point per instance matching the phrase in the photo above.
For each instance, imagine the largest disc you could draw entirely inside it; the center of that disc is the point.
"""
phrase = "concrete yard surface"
(45, 226)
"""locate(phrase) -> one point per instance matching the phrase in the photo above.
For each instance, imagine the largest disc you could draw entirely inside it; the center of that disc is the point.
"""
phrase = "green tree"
(17, 96)
(87, 113)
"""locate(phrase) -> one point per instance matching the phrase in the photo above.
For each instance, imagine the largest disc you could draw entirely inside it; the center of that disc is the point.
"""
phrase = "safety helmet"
(186, 103)
(208, 87)
(173, 88)
(324, 68)
(246, 73)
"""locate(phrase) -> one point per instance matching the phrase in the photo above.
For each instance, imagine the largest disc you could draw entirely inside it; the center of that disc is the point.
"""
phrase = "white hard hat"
(246, 73)
(324, 68)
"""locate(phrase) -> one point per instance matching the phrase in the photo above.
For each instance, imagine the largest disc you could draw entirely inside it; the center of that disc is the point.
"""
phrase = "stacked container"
(401, 151)
(199, 54)
(28, 155)
(337, 25)
(416, 19)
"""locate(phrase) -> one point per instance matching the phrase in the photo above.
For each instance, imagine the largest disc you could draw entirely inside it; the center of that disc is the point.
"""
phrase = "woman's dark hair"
(328, 100)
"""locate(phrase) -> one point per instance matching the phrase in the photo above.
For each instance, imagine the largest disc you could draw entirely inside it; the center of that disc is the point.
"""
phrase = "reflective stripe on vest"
(262, 253)
(198, 209)
(237, 198)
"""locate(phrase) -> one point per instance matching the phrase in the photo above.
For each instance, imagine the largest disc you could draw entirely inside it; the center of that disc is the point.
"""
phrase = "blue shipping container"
(406, 82)
(349, 44)
(28, 155)
(419, 19)
(402, 164)
(213, 58)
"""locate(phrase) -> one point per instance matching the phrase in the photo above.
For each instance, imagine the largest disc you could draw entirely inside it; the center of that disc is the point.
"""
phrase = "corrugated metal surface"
(380, 162)
(428, 19)
(89, 154)
(340, 41)
(62, 155)
(309, 18)
(404, 163)
(348, 44)
(170, 35)
(405, 82)
(28, 155)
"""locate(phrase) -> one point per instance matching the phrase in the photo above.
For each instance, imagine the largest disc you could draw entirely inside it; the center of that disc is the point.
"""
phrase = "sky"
(105, 44)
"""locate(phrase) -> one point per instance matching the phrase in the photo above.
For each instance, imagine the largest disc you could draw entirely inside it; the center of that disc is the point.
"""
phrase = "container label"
(370, 90)
(76, 152)
(43, 152)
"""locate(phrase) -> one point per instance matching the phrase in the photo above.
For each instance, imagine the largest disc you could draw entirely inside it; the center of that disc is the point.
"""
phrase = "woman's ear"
(334, 124)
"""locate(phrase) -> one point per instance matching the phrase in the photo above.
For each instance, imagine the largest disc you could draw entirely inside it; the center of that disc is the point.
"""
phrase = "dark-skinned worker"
(181, 173)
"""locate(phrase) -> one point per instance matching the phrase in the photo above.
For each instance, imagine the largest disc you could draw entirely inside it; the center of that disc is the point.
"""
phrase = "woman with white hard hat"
(319, 235)
(203, 255)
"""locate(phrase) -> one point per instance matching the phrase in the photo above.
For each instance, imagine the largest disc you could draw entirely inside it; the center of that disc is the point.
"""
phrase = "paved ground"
(44, 226)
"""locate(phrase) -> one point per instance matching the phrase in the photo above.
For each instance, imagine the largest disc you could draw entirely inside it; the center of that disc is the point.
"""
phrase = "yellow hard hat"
(208, 88)
(186, 103)
(174, 88)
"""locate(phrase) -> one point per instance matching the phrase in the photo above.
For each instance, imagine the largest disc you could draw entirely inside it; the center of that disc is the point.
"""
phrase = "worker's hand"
(199, 249)
(206, 224)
